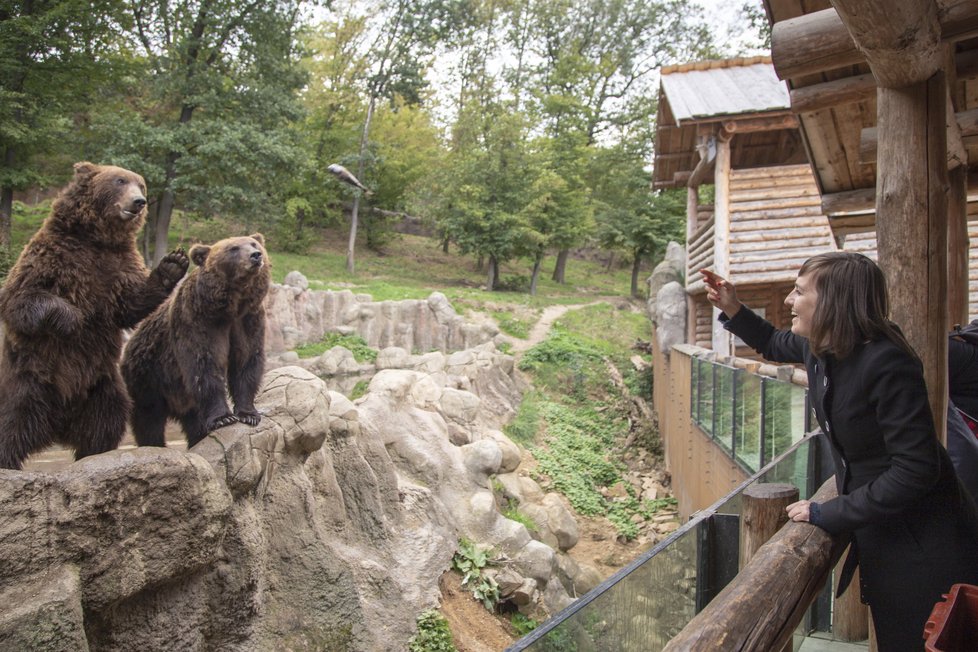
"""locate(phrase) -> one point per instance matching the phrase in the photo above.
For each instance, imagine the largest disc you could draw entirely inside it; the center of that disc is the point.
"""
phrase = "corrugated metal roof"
(730, 90)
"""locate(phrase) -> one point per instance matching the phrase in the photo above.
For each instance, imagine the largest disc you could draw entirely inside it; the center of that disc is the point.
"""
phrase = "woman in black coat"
(914, 531)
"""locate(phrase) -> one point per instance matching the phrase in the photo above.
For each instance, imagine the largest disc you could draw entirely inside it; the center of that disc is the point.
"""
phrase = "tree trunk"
(164, 211)
(444, 245)
(491, 274)
(479, 262)
(7, 202)
(6, 216)
(561, 265)
(636, 267)
(611, 261)
(536, 272)
(354, 215)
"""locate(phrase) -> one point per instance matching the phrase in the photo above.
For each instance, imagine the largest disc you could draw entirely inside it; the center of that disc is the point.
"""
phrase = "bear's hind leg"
(99, 420)
(28, 420)
(148, 421)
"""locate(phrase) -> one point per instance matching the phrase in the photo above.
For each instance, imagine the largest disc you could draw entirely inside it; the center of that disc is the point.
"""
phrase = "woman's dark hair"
(853, 304)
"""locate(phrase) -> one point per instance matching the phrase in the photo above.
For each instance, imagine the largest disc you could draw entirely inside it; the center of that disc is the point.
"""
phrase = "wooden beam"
(721, 236)
(956, 152)
(821, 41)
(901, 40)
(707, 149)
(760, 608)
(968, 122)
(957, 246)
(812, 43)
(753, 125)
(849, 201)
(846, 224)
(848, 90)
(911, 203)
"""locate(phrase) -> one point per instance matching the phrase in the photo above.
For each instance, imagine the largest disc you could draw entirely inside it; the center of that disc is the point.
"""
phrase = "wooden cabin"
(886, 97)
(726, 126)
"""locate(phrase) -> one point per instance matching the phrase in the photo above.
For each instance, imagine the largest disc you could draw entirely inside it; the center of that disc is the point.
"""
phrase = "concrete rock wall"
(326, 527)
(297, 315)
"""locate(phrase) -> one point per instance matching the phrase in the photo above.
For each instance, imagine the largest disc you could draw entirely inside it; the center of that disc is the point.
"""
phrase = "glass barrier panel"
(706, 397)
(643, 606)
(747, 420)
(724, 404)
(784, 416)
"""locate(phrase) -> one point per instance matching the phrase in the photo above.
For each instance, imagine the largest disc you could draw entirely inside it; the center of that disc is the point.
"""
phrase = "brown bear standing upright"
(208, 339)
(78, 283)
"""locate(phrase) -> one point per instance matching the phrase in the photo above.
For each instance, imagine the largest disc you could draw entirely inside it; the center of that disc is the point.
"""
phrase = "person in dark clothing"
(962, 376)
(912, 527)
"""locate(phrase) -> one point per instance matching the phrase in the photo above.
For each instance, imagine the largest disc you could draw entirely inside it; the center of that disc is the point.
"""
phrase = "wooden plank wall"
(973, 270)
(701, 471)
(776, 223)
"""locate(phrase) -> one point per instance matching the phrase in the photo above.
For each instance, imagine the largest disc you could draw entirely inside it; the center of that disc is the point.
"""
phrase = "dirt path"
(542, 327)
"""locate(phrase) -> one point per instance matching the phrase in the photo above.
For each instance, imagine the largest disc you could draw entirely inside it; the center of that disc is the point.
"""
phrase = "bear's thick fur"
(206, 340)
(77, 284)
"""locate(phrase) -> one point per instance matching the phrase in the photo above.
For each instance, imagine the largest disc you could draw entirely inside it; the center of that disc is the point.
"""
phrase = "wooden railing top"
(784, 372)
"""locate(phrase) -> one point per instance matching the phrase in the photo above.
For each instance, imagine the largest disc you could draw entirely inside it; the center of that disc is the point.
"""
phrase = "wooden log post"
(850, 617)
(760, 608)
(763, 515)
(721, 236)
(958, 246)
(911, 209)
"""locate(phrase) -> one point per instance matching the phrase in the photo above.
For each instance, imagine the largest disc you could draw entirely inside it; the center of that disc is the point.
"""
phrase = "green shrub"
(353, 343)
(523, 624)
(512, 325)
(359, 389)
(513, 513)
(433, 634)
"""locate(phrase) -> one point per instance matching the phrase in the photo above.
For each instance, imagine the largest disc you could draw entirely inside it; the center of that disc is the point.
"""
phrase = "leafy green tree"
(556, 213)
(633, 218)
(206, 119)
(487, 185)
(407, 33)
(54, 55)
(596, 67)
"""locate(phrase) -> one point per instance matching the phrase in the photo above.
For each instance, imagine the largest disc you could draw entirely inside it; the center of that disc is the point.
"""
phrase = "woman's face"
(802, 302)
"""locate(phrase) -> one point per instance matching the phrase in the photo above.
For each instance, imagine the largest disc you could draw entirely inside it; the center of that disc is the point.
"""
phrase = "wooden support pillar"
(957, 246)
(763, 515)
(692, 221)
(911, 209)
(850, 617)
(721, 236)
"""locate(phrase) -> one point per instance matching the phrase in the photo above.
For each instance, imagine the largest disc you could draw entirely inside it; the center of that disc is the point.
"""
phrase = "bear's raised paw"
(252, 418)
(221, 421)
(173, 267)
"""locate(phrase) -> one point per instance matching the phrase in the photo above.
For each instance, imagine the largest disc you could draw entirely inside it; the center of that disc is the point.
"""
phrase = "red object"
(953, 623)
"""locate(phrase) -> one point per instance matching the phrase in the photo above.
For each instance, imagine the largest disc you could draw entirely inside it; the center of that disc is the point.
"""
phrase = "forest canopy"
(515, 129)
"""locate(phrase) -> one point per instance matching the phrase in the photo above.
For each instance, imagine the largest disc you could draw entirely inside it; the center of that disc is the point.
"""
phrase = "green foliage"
(353, 343)
(513, 513)
(433, 634)
(289, 233)
(523, 624)
(471, 560)
(568, 362)
(525, 425)
(359, 389)
(512, 325)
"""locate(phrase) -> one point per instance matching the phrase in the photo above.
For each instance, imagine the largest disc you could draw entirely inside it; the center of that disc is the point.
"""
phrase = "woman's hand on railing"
(721, 293)
(799, 511)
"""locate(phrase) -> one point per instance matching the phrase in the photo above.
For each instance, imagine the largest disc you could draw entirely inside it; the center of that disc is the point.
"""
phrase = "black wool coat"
(914, 531)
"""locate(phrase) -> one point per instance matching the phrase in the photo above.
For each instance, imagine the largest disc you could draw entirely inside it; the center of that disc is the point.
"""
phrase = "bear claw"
(173, 266)
(249, 418)
(220, 422)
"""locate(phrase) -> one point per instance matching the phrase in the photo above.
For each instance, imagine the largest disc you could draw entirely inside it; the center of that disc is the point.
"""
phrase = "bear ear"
(84, 168)
(259, 237)
(198, 254)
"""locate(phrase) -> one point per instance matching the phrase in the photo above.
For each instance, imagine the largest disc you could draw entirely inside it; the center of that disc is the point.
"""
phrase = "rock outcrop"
(326, 527)
(297, 315)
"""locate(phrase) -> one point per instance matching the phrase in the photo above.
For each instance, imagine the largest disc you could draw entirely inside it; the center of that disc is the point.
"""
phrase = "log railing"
(655, 599)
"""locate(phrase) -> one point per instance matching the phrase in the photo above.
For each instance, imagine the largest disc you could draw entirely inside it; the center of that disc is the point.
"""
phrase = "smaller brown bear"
(206, 340)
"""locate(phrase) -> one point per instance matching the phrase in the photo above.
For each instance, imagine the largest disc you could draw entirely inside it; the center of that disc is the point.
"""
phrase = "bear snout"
(256, 258)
